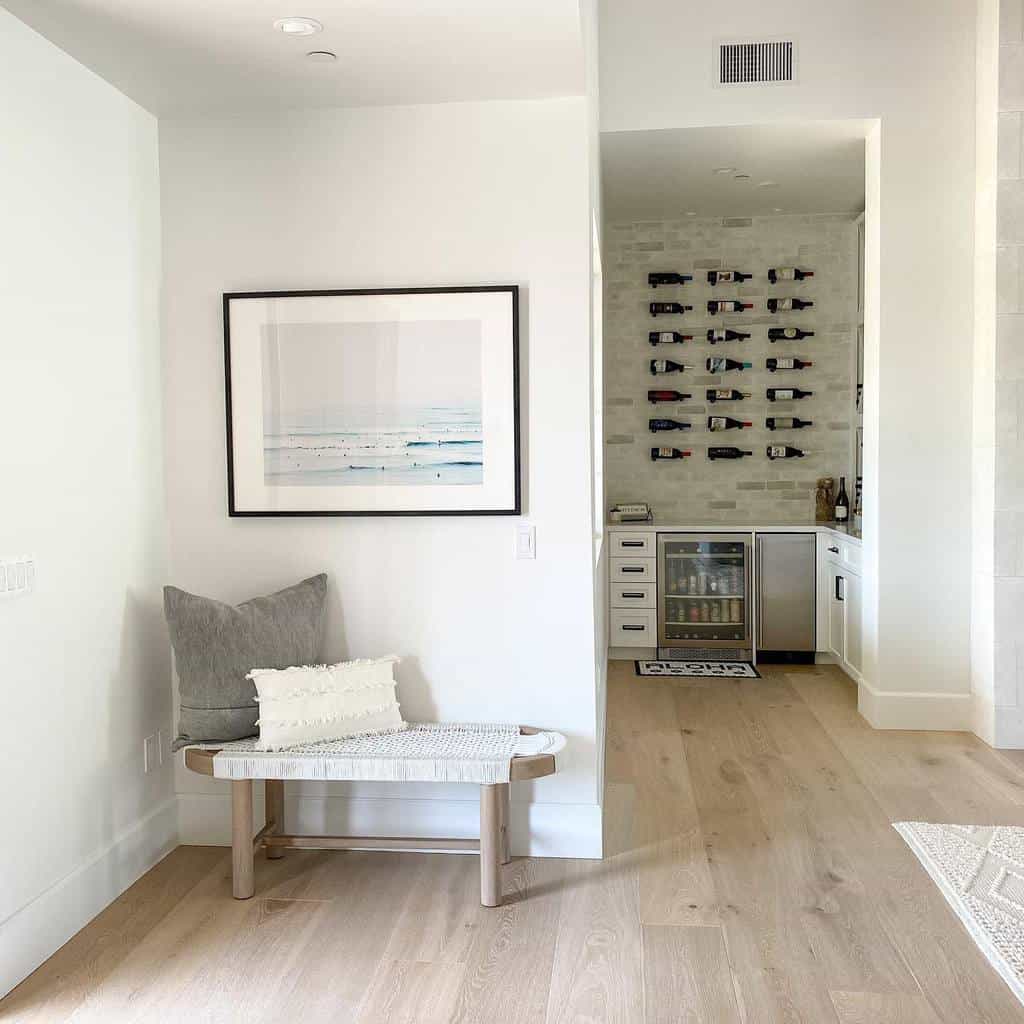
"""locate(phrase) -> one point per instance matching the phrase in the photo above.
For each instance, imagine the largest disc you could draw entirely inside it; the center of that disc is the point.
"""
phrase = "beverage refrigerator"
(704, 605)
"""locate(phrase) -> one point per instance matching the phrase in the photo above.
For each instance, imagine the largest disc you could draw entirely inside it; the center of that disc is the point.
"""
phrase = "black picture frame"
(235, 512)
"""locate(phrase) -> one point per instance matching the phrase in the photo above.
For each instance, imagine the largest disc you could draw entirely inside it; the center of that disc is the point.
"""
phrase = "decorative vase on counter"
(824, 500)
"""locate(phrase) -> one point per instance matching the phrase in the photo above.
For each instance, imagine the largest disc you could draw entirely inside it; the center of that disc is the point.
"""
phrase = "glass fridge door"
(703, 584)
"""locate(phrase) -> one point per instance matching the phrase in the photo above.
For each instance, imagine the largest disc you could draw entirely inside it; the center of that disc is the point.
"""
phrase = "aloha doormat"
(699, 669)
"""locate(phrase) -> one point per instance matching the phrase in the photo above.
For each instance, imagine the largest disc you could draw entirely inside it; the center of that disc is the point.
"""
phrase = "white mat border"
(952, 897)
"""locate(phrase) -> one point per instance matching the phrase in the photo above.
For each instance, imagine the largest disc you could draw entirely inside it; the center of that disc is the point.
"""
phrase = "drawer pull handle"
(630, 626)
(632, 543)
(632, 593)
(835, 551)
(633, 568)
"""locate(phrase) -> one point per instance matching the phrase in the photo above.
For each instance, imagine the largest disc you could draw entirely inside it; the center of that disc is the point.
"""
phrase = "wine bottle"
(668, 453)
(663, 308)
(720, 452)
(776, 274)
(788, 334)
(725, 395)
(667, 396)
(727, 277)
(785, 305)
(785, 394)
(668, 278)
(726, 423)
(786, 423)
(657, 425)
(784, 451)
(719, 364)
(716, 336)
(668, 338)
(728, 306)
(667, 366)
(841, 511)
(786, 364)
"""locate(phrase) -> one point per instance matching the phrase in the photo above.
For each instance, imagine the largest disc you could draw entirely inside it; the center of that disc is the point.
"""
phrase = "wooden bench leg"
(506, 849)
(490, 846)
(242, 883)
(274, 800)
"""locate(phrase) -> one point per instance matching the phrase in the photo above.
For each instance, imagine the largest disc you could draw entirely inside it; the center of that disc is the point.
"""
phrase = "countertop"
(762, 526)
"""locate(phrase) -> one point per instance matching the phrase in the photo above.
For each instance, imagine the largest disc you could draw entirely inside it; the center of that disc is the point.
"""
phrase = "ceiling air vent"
(764, 63)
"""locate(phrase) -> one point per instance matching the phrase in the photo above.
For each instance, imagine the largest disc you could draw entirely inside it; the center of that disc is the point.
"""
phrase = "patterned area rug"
(980, 871)
(699, 669)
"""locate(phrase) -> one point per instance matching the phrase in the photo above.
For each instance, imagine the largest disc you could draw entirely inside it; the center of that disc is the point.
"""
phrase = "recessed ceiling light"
(767, 184)
(298, 26)
(724, 170)
(691, 213)
(321, 56)
(778, 209)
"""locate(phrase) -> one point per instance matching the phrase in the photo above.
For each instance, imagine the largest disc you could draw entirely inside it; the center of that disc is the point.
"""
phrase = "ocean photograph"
(372, 404)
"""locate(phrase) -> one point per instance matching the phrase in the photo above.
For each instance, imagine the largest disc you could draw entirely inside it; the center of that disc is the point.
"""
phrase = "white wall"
(429, 195)
(85, 657)
(911, 65)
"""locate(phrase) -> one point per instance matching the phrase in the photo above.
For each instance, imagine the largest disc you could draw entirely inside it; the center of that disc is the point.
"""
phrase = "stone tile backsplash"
(754, 487)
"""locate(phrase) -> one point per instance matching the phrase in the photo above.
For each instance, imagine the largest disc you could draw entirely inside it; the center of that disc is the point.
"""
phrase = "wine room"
(733, 323)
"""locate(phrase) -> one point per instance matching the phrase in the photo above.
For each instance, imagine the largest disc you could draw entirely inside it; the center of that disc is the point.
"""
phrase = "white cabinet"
(841, 605)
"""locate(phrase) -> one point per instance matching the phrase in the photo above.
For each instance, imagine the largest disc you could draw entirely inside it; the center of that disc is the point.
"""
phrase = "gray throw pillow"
(216, 645)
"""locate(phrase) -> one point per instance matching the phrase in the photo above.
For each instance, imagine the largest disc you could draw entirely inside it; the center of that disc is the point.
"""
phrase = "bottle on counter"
(727, 277)
(786, 423)
(667, 277)
(777, 274)
(658, 454)
(786, 305)
(787, 363)
(668, 396)
(667, 366)
(784, 451)
(788, 334)
(841, 509)
(666, 308)
(786, 394)
(668, 338)
(720, 452)
(719, 364)
(728, 306)
(716, 337)
(726, 423)
(657, 425)
(725, 395)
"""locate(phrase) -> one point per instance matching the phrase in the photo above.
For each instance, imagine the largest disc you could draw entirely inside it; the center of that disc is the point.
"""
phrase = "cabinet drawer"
(633, 570)
(851, 555)
(633, 629)
(633, 595)
(625, 544)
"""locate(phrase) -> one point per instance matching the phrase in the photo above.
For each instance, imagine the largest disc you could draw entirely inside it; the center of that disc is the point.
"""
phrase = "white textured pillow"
(326, 702)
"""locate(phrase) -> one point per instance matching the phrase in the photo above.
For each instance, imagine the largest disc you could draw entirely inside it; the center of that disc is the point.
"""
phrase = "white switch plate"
(149, 754)
(17, 576)
(526, 541)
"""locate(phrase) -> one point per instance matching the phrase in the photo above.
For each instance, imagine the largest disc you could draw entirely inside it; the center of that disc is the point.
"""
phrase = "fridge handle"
(758, 548)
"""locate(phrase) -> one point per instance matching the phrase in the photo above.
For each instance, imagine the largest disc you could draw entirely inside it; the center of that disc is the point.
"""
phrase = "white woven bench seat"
(424, 752)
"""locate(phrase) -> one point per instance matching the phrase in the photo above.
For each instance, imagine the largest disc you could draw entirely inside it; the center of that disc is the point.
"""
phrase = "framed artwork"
(398, 402)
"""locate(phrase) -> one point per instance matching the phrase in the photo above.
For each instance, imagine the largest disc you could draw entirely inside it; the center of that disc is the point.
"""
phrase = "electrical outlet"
(149, 754)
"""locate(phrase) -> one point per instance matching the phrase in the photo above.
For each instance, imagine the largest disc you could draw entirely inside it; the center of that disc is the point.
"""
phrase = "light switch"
(17, 576)
(526, 541)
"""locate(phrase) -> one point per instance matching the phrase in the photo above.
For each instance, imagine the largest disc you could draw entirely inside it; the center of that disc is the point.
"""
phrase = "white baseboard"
(537, 829)
(951, 712)
(36, 931)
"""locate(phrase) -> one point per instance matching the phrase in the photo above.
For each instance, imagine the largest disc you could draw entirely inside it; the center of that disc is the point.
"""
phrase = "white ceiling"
(818, 167)
(204, 56)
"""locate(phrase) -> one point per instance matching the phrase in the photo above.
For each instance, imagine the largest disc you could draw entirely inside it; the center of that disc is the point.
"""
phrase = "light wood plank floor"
(753, 876)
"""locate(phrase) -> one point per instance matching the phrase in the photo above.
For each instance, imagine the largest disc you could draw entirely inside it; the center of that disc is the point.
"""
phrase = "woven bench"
(490, 756)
